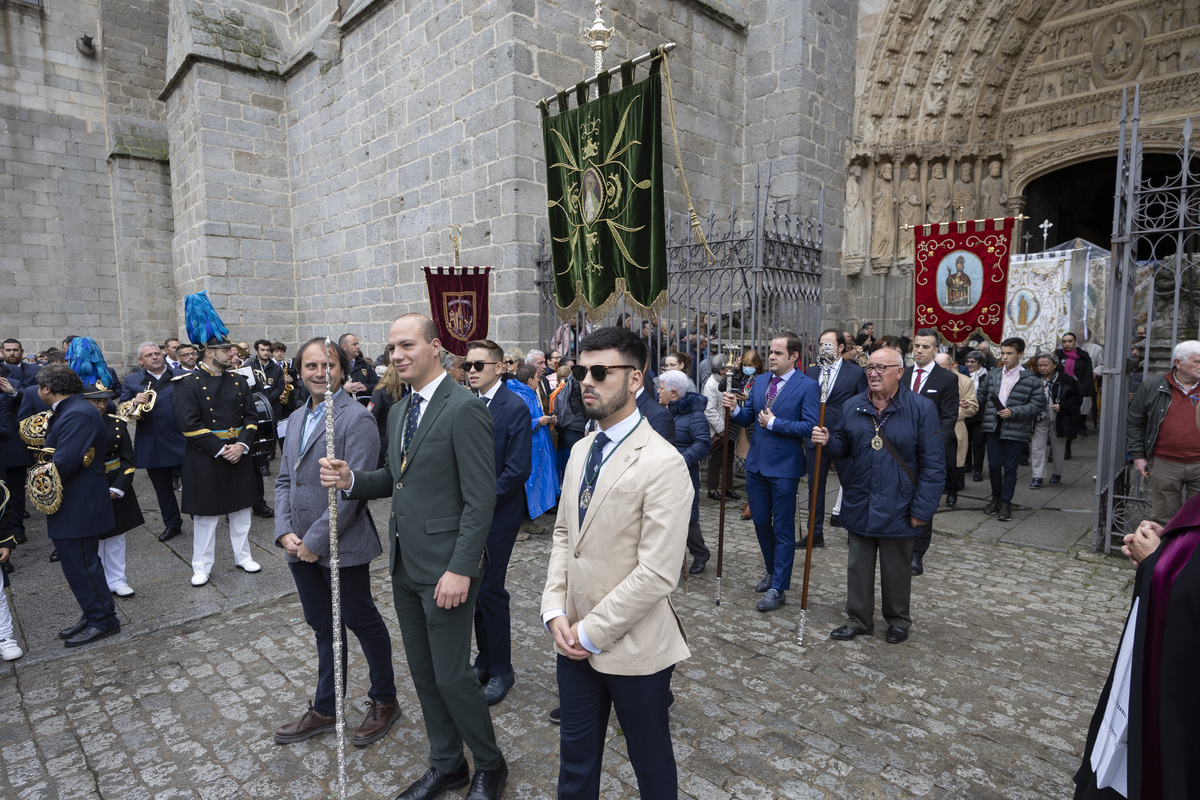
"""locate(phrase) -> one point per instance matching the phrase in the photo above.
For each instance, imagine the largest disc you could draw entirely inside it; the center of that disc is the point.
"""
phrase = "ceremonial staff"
(335, 582)
(724, 485)
(825, 360)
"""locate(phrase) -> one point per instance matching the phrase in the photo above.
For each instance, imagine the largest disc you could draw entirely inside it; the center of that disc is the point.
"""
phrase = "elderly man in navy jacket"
(77, 435)
(783, 412)
(159, 445)
(897, 472)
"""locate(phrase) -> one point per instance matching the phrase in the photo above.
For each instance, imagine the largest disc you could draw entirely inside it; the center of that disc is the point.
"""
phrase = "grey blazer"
(302, 505)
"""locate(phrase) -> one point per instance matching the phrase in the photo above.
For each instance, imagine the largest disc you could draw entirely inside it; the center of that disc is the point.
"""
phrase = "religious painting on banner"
(604, 192)
(458, 305)
(960, 275)
(1036, 306)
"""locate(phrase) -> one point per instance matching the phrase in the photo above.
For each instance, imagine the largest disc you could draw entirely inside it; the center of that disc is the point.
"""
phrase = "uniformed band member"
(76, 434)
(362, 378)
(15, 375)
(215, 410)
(160, 445)
(270, 384)
(118, 471)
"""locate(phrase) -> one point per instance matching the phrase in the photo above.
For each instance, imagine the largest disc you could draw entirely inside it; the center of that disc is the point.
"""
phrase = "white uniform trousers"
(112, 558)
(204, 539)
(6, 628)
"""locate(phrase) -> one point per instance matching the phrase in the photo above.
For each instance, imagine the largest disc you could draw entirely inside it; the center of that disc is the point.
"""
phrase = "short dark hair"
(67, 341)
(976, 356)
(1015, 342)
(525, 372)
(495, 350)
(837, 335)
(278, 346)
(336, 349)
(14, 341)
(257, 342)
(929, 332)
(55, 356)
(1072, 335)
(185, 346)
(59, 379)
(795, 345)
(624, 341)
(170, 339)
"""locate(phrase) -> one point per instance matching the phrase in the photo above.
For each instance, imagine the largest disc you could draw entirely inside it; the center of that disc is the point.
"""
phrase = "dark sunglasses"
(508, 361)
(599, 371)
(477, 366)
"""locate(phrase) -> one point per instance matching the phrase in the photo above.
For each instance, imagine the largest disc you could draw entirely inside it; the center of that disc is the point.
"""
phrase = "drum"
(264, 437)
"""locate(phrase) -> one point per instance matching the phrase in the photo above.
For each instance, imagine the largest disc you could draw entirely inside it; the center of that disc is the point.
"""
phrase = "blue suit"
(514, 460)
(159, 445)
(851, 380)
(659, 418)
(775, 464)
(86, 510)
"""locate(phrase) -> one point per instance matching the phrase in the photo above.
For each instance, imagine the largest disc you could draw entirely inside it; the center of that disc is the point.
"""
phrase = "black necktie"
(410, 427)
(591, 472)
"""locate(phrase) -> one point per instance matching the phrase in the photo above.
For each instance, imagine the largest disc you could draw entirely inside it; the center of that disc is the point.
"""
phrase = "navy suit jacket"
(851, 380)
(86, 509)
(158, 441)
(23, 374)
(659, 418)
(779, 452)
(514, 457)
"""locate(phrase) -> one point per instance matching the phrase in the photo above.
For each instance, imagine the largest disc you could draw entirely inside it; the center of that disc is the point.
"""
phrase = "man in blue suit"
(659, 418)
(513, 431)
(159, 445)
(846, 379)
(783, 411)
(77, 435)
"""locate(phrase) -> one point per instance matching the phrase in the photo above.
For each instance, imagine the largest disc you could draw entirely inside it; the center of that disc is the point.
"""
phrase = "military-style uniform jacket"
(159, 442)
(270, 383)
(362, 371)
(214, 411)
(76, 434)
(118, 469)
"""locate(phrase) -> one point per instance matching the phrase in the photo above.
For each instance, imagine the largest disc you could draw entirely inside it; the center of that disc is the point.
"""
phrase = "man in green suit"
(441, 475)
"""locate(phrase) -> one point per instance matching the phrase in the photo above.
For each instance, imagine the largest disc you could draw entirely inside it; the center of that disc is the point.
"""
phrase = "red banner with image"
(961, 278)
(458, 305)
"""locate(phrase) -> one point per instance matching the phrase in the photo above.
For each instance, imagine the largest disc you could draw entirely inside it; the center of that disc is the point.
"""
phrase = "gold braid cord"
(33, 428)
(697, 233)
(45, 487)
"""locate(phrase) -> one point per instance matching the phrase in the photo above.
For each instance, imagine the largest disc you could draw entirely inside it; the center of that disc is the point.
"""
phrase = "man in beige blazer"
(618, 543)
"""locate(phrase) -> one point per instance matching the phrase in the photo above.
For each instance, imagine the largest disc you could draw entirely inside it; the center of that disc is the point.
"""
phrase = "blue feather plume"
(201, 319)
(84, 356)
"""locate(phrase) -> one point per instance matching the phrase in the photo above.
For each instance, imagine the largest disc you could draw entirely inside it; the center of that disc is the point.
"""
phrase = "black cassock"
(118, 469)
(215, 411)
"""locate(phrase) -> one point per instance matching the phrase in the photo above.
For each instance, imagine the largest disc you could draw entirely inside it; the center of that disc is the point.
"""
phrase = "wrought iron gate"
(1156, 246)
(767, 278)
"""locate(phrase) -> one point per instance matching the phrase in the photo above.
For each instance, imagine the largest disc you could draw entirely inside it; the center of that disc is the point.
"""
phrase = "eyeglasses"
(478, 366)
(880, 368)
(599, 371)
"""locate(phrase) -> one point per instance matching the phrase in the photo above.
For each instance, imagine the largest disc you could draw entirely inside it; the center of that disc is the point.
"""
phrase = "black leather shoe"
(434, 784)
(1055, 480)
(952, 499)
(1004, 512)
(54, 556)
(818, 541)
(918, 563)
(990, 508)
(487, 785)
(977, 477)
(264, 511)
(1036, 483)
(714, 495)
(89, 635)
(896, 635)
(844, 633)
(480, 675)
(169, 533)
(20, 537)
(556, 716)
(698, 565)
(763, 585)
(772, 600)
(732, 495)
(1024, 462)
(835, 520)
(497, 687)
(7, 567)
(67, 633)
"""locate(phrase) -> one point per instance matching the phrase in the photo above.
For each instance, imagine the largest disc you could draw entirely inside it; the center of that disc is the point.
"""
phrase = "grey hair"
(529, 356)
(716, 363)
(674, 380)
(1047, 354)
(448, 359)
(144, 345)
(1185, 350)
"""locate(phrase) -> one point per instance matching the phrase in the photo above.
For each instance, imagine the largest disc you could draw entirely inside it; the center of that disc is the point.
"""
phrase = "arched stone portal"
(963, 104)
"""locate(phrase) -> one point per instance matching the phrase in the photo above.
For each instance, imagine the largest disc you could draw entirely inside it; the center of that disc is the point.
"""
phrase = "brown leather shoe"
(746, 512)
(306, 727)
(379, 720)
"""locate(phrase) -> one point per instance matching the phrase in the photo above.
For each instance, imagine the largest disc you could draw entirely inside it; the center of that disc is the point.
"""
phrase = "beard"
(603, 410)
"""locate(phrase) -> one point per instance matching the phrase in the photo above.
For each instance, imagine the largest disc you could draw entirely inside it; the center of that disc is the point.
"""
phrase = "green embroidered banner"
(604, 192)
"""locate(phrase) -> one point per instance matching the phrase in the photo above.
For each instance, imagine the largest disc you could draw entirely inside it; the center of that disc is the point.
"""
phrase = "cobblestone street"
(989, 698)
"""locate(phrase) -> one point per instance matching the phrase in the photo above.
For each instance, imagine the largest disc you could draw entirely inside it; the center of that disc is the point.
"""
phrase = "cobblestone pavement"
(989, 698)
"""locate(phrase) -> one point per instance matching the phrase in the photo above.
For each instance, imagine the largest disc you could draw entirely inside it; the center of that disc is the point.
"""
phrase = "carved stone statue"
(993, 195)
(854, 242)
(883, 221)
(964, 193)
(938, 195)
(911, 206)
(1118, 53)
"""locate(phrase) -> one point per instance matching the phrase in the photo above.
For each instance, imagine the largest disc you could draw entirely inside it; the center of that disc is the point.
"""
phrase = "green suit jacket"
(442, 502)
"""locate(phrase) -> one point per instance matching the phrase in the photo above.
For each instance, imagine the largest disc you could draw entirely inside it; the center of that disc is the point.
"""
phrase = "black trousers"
(977, 448)
(895, 580)
(14, 479)
(80, 562)
(162, 479)
(493, 620)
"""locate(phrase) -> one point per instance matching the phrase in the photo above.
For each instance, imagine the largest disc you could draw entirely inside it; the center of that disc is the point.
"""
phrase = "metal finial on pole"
(455, 238)
(598, 37)
(335, 584)
(1045, 226)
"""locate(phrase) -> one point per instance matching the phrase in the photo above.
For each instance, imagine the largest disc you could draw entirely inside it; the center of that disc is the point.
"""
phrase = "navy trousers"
(162, 478)
(493, 621)
(641, 702)
(773, 506)
(80, 562)
(1004, 457)
(359, 614)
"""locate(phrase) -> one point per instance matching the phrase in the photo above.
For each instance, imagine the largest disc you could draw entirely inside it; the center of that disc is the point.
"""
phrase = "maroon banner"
(458, 304)
(961, 278)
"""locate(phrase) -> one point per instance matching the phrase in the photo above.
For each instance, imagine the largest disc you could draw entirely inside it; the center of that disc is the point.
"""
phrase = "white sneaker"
(199, 579)
(250, 565)
(124, 590)
(10, 650)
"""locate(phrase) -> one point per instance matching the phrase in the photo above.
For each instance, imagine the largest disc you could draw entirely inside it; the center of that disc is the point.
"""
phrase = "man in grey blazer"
(441, 475)
(302, 529)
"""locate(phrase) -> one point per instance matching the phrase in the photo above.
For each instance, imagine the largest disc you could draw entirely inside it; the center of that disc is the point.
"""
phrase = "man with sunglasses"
(783, 412)
(513, 432)
(618, 542)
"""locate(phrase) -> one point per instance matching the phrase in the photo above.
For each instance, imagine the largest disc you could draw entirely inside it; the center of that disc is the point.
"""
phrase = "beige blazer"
(966, 391)
(616, 574)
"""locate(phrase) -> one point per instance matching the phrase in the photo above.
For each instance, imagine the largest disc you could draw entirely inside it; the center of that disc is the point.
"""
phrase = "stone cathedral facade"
(301, 160)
